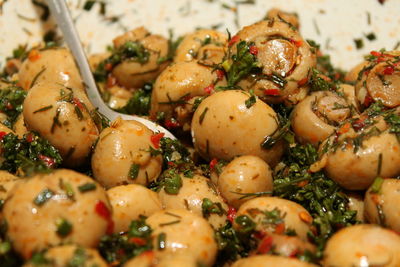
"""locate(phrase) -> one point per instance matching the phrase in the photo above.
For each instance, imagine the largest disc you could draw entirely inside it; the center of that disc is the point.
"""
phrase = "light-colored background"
(339, 22)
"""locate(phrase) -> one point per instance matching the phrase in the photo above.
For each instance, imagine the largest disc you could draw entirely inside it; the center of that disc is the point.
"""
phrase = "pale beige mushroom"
(207, 46)
(51, 209)
(129, 202)
(242, 178)
(64, 118)
(317, 116)
(133, 74)
(191, 196)
(270, 260)
(285, 59)
(362, 245)
(381, 203)
(224, 126)
(122, 155)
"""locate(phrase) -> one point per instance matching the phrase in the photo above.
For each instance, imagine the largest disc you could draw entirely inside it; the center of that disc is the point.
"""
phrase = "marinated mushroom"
(244, 177)
(63, 118)
(379, 80)
(275, 215)
(177, 85)
(206, 46)
(69, 255)
(122, 155)
(284, 58)
(63, 206)
(270, 260)
(129, 202)
(198, 195)
(216, 122)
(317, 116)
(141, 58)
(381, 203)
(52, 66)
(178, 228)
(362, 245)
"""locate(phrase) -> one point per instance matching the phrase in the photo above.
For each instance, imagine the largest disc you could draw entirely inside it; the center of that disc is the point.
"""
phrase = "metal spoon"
(60, 12)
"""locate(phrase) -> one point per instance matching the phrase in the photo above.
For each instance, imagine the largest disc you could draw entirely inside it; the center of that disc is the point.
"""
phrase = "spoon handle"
(60, 12)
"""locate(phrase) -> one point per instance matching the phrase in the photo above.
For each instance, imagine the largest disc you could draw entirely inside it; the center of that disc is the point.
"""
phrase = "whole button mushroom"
(56, 208)
(381, 203)
(363, 245)
(64, 118)
(270, 260)
(53, 66)
(244, 176)
(229, 123)
(122, 155)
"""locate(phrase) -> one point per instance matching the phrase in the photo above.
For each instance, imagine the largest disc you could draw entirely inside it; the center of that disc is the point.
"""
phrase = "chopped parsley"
(64, 227)
(209, 207)
(11, 101)
(45, 195)
(87, 187)
(134, 171)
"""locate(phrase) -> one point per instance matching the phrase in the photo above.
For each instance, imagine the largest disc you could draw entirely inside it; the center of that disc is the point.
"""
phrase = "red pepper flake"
(213, 162)
(259, 235)
(2, 134)
(233, 40)
(149, 254)
(265, 245)
(137, 241)
(376, 53)
(294, 253)
(9, 106)
(389, 70)
(108, 66)
(253, 50)
(345, 128)
(209, 89)
(359, 124)
(280, 228)
(272, 92)
(29, 137)
(368, 101)
(231, 215)
(33, 55)
(155, 139)
(297, 43)
(305, 217)
(302, 81)
(111, 81)
(220, 74)
(77, 103)
(303, 183)
(47, 160)
(102, 210)
(171, 123)
(171, 164)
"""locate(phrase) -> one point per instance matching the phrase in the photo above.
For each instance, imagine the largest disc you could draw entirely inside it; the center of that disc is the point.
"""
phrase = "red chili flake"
(358, 124)
(302, 81)
(294, 253)
(33, 55)
(231, 214)
(108, 66)
(171, 164)
(297, 43)
(253, 50)
(389, 70)
(280, 228)
(155, 139)
(2, 134)
(209, 89)
(233, 40)
(220, 74)
(272, 92)
(111, 81)
(376, 53)
(368, 101)
(265, 245)
(149, 254)
(259, 235)
(102, 210)
(29, 137)
(171, 123)
(77, 103)
(345, 128)
(213, 162)
(47, 160)
(138, 241)
(9, 106)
